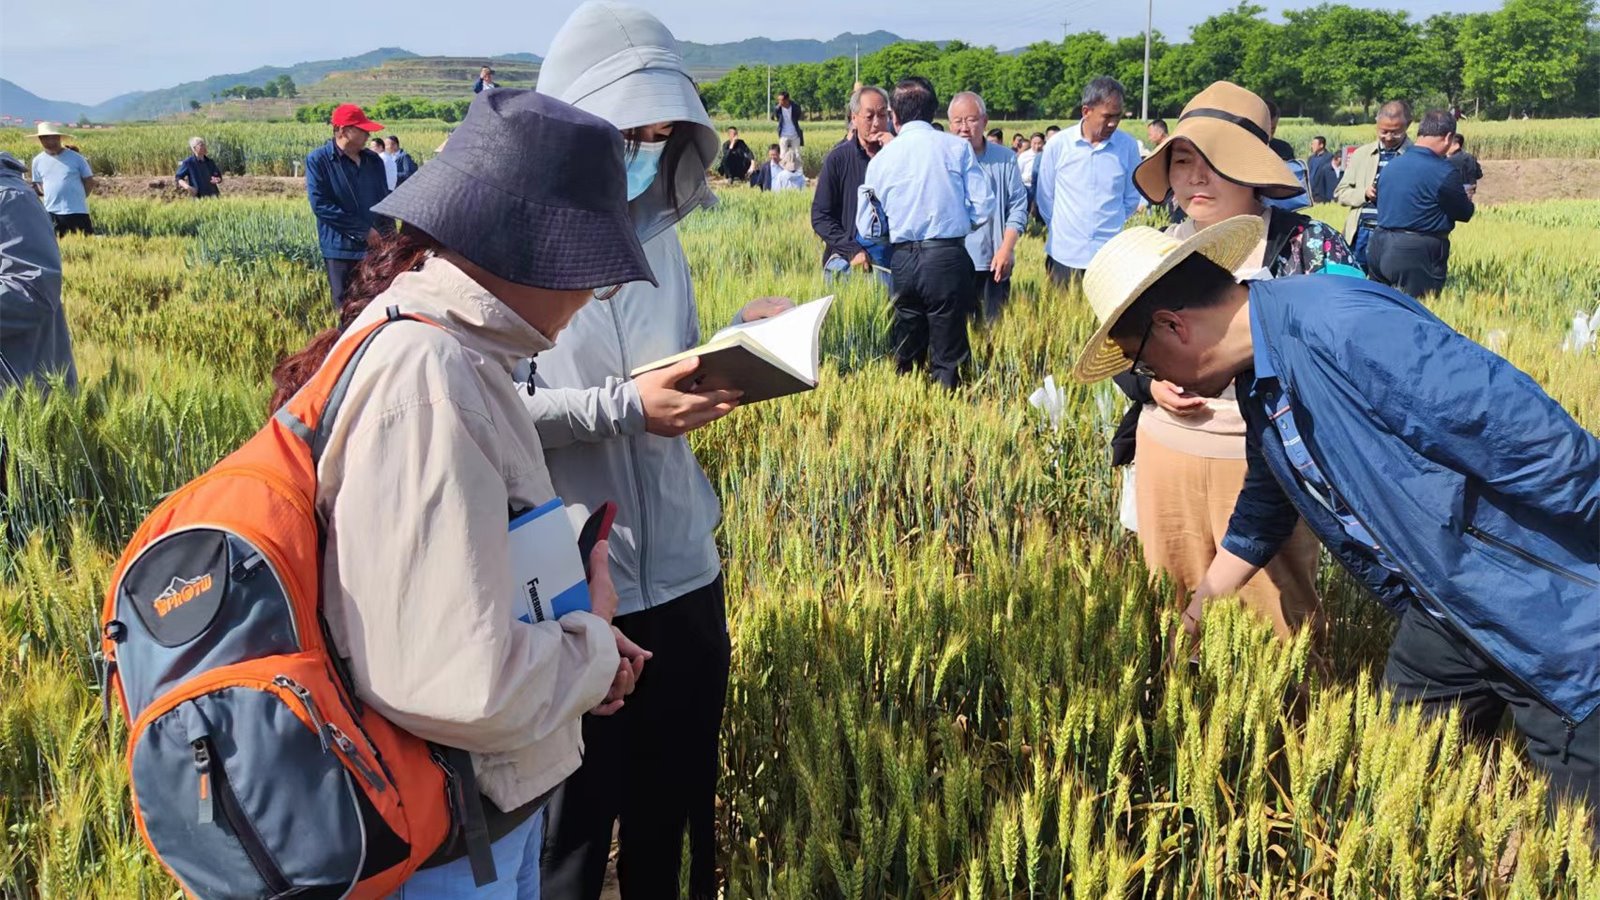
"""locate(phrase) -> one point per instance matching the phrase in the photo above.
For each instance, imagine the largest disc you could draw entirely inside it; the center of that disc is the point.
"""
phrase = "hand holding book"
(672, 407)
(762, 359)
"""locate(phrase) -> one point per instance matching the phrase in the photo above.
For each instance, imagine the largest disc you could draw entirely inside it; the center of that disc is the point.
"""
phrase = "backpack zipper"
(243, 831)
(317, 723)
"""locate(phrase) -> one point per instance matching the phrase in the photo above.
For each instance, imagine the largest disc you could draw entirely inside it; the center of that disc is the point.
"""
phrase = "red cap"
(351, 114)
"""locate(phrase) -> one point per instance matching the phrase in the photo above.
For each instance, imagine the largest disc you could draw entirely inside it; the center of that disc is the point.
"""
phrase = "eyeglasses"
(606, 293)
(1140, 368)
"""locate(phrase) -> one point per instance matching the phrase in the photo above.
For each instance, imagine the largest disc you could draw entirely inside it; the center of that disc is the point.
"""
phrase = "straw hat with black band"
(1228, 125)
(1132, 262)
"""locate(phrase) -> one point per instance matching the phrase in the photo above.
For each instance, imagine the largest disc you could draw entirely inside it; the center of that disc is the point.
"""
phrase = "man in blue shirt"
(344, 180)
(1422, 200)
(1084, 182)
(1445, 480)
(924, 193)
(63, 178)
(199, 174)
(993, 246)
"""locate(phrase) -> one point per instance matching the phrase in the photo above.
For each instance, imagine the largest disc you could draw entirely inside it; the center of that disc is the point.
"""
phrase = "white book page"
(792, 337)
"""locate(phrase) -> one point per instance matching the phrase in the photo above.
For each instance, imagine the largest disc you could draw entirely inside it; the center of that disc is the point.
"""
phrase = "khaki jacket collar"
(465, 309)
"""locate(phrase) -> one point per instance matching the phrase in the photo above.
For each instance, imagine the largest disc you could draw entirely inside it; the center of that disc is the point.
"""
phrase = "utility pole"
(858, 62)
(1144, 97)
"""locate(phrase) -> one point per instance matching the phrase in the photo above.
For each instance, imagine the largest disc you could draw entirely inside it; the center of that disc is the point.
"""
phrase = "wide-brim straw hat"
(47, 129)
(1137, 258)
(1230, 127)
(533, 190)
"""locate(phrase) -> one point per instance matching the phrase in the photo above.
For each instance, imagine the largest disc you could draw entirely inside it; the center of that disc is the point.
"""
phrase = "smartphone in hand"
(596, 529)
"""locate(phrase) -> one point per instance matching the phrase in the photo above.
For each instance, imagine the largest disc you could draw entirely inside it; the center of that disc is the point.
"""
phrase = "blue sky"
(90, 50)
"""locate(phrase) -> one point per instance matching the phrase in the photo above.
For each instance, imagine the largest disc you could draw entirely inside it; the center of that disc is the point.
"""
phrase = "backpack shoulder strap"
(310, 413)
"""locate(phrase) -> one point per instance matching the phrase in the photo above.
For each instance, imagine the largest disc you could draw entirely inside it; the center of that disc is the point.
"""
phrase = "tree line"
(1332, 62)
(282, 86)
(391, 106)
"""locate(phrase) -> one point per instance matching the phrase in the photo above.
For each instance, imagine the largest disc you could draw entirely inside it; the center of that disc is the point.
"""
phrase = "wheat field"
(947, 675)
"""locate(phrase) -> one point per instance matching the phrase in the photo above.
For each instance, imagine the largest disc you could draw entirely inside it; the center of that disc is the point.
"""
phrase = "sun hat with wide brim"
(1230, 126)
(46, 129)
(1137, 258)
(531, 189)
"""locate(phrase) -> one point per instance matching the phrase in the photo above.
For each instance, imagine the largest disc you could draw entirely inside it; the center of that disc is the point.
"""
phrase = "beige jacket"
(1358, 176)
(429, 453)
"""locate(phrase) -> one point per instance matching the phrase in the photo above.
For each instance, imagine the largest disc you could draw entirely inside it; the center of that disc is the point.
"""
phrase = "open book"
(766, 358)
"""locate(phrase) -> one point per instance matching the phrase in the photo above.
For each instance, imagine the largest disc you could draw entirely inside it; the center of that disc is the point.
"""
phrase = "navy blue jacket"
(199, 173)
(1422, 191)
(404, 167)
(1480, 487)
(342, 196)
(1323, 178)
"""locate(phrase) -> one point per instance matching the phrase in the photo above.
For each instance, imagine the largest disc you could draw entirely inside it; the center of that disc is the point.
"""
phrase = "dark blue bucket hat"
(531, 189)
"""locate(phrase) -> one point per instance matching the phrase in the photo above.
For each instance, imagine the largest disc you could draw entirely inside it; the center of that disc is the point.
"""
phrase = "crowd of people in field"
(1288, 392)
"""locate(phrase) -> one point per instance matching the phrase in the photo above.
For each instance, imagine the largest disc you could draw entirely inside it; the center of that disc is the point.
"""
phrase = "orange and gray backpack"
(255, 769)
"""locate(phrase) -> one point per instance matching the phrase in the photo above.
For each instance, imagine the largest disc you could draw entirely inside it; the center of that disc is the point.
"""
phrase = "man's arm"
(184, 176)
(1263, 517)
(1453, 197)
(1131, 198)
(980, 197)
(1044, 179)
(827, 205)
(1469, 410)
(1347, 192)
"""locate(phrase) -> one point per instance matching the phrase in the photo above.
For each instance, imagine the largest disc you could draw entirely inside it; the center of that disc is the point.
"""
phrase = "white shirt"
(1085, 192)
(388, 168)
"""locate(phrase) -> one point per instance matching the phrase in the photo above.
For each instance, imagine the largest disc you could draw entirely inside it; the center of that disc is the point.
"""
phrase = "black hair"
(783, 95)
(775, 147)
(1195, 283)
(914, 100)
(1014, 136)
(1436, 123)
(1321, 138)
(1458, 140)
(1037, 134)
(392, 137)
(997, 134)
(1159, 123)
(937, 126)
(1050, 129)
(1272, 109)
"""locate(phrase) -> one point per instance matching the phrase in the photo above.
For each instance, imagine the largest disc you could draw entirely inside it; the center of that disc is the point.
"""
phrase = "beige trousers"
(1184, 504)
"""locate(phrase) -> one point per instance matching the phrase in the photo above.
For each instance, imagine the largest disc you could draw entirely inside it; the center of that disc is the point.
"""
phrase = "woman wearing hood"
(608, 437)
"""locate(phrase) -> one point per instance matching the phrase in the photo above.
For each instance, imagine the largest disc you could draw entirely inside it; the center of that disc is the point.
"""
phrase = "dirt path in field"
(1504, 181)
(1527, 180)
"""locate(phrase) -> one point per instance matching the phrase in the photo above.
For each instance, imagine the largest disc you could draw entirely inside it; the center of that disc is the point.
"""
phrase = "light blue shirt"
(785, 180)
(1085, 192)
(1008, 210)
(62, 177)
(929, 184)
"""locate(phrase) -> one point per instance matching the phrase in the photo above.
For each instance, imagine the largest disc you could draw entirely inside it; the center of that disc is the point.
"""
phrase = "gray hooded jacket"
(34, 342)
(620, 63)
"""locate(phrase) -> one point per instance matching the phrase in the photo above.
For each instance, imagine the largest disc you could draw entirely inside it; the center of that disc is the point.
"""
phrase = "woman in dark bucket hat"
(503, 237)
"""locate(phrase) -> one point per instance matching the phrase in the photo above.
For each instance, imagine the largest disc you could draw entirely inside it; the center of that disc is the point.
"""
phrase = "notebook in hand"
(766, 358)
(546, 568)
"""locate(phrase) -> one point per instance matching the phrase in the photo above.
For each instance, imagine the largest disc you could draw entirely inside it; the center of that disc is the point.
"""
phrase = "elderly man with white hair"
(199, 174)
(993, 246)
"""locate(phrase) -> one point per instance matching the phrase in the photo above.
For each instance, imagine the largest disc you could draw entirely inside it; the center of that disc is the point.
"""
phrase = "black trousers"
(933, 294)
(339, 277)
(653, 765)
(1415, 263)
(1061, 275)
(67, 223)
(1431, 664)
(990, 296)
